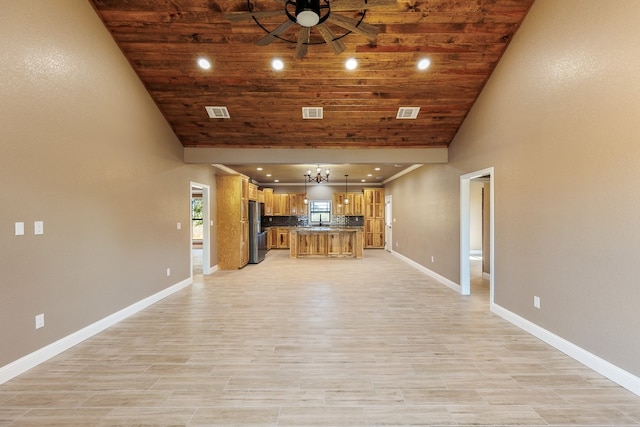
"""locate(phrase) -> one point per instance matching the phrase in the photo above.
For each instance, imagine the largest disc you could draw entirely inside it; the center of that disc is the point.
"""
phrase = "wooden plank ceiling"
(464, 40)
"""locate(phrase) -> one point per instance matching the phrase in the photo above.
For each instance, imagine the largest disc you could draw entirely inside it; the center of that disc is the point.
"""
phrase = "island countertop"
(325, 229)
(330, 241)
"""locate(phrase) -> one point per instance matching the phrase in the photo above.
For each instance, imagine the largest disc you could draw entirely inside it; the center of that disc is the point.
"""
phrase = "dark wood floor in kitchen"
(316, 342)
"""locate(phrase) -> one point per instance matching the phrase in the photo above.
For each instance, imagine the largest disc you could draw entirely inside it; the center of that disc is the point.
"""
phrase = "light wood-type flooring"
(316, 342)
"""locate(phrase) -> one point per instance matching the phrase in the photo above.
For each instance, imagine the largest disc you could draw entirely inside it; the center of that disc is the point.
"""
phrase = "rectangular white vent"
(408, 113)
(218, 112)
(311, 112)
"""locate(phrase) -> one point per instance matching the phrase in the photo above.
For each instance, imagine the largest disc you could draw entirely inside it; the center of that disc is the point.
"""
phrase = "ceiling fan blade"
(237, 17)
(303, 40)
(330, 38)
(367, 30)
(345, 5)
(275, 33)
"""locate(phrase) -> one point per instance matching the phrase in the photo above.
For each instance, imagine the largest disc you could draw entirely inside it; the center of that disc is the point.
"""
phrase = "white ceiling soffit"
(312, 112)
(218, 112)
(408, 113)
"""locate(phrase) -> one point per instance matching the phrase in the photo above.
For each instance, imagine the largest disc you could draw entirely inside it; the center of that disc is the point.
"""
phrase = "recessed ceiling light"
(277, 64)
(276, 180)
(376, 169)
(423, 64)
(363, 180)
(351, 64)
(369, 174)
(268, 175)
(258, 169)
(204, 63)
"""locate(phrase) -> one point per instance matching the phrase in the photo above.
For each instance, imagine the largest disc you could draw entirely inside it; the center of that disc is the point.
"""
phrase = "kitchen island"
(326, 242)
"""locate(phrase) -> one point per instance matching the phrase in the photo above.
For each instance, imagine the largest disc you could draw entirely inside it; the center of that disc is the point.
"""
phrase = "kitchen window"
(319, 212)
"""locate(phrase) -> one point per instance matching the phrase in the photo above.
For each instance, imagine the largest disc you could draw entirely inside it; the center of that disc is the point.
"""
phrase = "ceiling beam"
(310, 155)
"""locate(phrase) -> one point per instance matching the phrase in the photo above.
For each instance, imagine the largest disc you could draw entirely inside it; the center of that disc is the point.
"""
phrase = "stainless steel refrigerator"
(257, 238)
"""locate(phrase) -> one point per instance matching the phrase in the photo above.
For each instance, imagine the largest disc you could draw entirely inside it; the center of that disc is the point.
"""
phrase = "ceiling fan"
(314, 14)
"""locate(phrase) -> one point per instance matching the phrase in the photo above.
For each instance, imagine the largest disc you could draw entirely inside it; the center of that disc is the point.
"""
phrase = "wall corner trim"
(43, 354)
(590, 360)
(448, 283)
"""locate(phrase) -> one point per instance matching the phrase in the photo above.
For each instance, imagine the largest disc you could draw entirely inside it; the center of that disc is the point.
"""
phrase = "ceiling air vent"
(408, 112)
(311, 112)
(218, 112)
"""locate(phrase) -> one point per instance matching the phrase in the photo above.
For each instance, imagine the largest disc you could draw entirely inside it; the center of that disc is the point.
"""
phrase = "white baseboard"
(428, 272)
(43, 354)
(607, 369)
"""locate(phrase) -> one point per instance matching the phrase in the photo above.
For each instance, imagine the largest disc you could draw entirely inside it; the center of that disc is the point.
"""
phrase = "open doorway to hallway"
(200, 229)
(477, 232)
(479, 268)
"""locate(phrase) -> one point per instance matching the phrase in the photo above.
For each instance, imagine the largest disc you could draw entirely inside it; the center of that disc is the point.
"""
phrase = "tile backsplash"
(301, 221)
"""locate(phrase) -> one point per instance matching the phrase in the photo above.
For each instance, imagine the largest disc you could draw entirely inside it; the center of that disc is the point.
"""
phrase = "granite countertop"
(314, 229)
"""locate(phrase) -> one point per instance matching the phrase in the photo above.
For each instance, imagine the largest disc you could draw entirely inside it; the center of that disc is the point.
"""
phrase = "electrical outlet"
(536, 302)
(179, 226)
(168, 272)
(39, 320)
(433, 259)
(38, 228)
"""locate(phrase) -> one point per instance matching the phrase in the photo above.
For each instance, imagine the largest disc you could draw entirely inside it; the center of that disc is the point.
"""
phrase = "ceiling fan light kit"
(307, 12)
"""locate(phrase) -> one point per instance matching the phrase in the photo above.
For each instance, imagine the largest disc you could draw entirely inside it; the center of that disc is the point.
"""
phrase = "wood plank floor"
(316, 342)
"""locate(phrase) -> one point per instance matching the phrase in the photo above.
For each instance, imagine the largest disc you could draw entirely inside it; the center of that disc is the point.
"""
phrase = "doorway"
(388, 237)
(465, 230)
(200, 227)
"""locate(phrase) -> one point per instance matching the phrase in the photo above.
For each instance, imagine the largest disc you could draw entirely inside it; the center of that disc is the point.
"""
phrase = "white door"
(388, 240)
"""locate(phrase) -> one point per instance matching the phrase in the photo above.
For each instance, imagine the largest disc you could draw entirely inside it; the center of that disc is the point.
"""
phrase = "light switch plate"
(536, 301)
(40, 321)
(179, 226)
(19, 228)
(38, 227)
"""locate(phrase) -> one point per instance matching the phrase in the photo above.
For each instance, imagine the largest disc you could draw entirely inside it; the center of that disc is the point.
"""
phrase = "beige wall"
(84, 149)
(559, 121)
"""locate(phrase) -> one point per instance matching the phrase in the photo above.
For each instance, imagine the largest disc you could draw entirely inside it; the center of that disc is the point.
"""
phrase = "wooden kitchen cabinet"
(298, 208)
(283, 238)
(281, 204)
(268, 201)
(232, 210)
(319, 244)
(272, 238)
(374, 218)
(312, 243)
(252, 191)
(356, 204)
(334, 243)
(338, 206)
(331, 243)
(354, 207)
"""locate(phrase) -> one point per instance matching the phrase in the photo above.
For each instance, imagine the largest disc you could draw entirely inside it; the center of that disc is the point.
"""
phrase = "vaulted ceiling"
(462, 39)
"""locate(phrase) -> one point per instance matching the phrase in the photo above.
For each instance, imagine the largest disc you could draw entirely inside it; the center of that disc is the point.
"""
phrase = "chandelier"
(318, 177)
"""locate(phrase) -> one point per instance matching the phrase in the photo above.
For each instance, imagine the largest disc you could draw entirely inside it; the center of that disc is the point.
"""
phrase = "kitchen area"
(253, 220)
